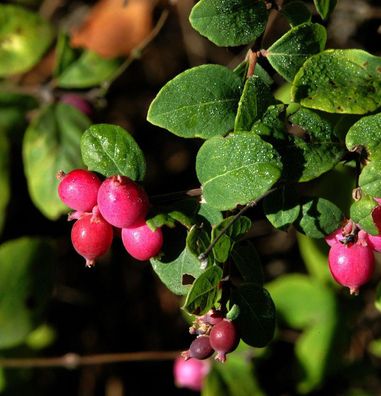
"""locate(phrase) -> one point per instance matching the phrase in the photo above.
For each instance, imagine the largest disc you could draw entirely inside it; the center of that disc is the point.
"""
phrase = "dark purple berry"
(200, 348)
(224, 338)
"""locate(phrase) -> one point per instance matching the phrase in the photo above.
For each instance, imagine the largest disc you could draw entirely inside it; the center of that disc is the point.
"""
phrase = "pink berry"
(141, 242)
(78, 102)
(91, 236)
(378, 200)
(190, 373)
(351, 265)
(78, 189)
(200, 348)
(122, 202)
(224, 338)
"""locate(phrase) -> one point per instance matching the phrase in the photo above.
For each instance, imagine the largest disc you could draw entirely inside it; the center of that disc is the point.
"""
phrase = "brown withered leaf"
(114, 27)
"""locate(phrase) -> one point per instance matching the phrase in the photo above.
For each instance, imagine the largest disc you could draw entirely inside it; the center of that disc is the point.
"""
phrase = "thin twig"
(203, 256)
(72, 360)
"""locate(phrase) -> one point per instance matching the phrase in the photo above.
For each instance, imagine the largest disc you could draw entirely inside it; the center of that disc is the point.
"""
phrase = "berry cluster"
(99, 206)
(214, 334)
(351, 254)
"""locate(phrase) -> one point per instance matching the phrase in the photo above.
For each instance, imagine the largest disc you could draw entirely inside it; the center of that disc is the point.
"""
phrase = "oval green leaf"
(365, 132)
(87, 71)
(52, 143)
(340, 81)
(24, 38)
(288, 54)
(26, 282)
(111, 150)
(223, 247)
(172, 273)
(236, 169)
(318, 218)
(204, 292)
(247, 261)
(200, 102)
(361, 213)
(256, 320)
(229, 22)
(255, 99)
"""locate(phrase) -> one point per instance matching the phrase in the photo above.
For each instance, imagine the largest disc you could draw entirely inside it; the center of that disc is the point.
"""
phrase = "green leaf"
(288, 54)
(213, 216)
(255, 99)
(370, 177)
(172, 273)
(301, 301)
(229, 22)
(340, 81)
(213, 384)
(42, 337)
(281, 208)
(314, 353)
(305, 304)
(257, 314)
(65, 55)
(204, 292)
(246, 259)
(111, 150)
(26, 282)
(296, 12)
(24, 37)
(318, 217)
(198, 240)
(223, 247)
(236, 169)
(4, 178)
(87, 71)
(52, 143)
(366, 133)
(361, 213)
(325, 7)
(169, 219)
(200, 102)
(316, 152)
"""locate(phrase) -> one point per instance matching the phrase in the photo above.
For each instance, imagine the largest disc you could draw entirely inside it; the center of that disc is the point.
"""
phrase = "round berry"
(78, 189)
(224, 338)
(351, 265)
(78, 102)
(122, 202)
(141, 242)
(200, 348)
(190, 373)
(91, 236)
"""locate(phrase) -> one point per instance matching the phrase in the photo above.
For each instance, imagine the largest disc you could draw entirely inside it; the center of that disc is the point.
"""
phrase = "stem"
(252, 60)
(204, 256)
(72, 360)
